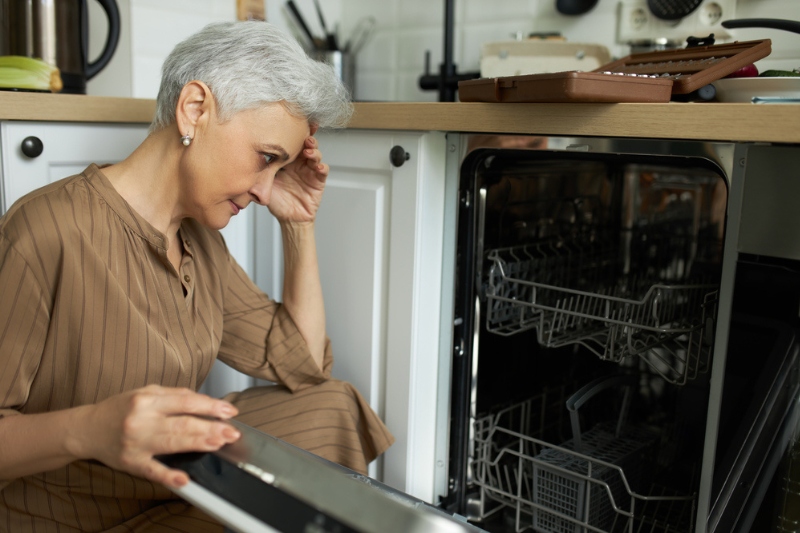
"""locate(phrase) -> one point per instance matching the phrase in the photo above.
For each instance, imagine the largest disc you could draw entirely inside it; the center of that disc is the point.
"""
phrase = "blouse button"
(187, 278)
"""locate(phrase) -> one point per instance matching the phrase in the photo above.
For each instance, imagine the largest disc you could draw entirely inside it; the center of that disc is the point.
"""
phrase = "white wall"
(389, 66)
(115, 78)
(151, 28)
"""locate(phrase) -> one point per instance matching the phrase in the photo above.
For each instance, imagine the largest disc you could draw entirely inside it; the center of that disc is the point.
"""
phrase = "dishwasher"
(623, 351)
(620, 362)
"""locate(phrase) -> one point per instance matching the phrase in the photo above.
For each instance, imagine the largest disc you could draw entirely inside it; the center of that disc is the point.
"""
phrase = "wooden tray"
(695, 67)
(571, 86)
(646, 77)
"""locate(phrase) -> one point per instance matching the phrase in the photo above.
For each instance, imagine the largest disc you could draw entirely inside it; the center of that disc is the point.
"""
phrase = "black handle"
(302, 22)
(112, 39)
(775, 24)
(32, 146)
(398, 156)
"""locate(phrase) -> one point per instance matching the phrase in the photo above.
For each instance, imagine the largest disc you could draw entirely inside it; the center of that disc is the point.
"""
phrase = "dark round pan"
(672, 9)
(574, 7)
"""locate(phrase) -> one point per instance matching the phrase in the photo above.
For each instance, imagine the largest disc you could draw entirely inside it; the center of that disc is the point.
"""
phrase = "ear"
(313, 129)
(195, 107)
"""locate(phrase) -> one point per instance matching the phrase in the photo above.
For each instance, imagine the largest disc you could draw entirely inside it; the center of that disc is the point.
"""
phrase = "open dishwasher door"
(263, 484)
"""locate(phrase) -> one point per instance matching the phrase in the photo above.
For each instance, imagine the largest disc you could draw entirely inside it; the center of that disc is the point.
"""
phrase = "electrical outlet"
(635, 22)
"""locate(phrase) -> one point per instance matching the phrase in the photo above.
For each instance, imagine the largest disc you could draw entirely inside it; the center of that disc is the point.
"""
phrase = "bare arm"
(302, 290)
(296, 195)
(124, 432)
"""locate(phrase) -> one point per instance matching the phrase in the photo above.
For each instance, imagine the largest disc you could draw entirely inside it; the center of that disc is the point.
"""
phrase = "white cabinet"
(380, 238)
(67, 149)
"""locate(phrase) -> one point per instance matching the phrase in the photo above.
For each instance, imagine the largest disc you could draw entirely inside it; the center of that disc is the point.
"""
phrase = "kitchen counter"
(702, 121)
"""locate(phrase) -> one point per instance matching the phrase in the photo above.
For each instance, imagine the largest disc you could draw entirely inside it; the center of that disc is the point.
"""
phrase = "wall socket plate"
(635, 22)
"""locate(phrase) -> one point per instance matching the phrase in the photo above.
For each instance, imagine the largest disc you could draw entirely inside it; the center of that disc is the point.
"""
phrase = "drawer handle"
(32, 146)
(398, 156)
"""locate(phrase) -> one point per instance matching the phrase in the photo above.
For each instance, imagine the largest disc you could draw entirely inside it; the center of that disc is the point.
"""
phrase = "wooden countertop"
(703, 121)
(74, 108)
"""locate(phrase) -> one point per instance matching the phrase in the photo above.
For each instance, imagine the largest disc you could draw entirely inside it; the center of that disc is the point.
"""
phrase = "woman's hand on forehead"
(298, 187)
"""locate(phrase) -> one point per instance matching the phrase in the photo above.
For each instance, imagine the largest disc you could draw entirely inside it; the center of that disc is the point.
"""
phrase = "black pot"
(57, 31)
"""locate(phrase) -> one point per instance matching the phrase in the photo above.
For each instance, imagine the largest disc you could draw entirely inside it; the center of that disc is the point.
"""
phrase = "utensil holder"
(343, 64)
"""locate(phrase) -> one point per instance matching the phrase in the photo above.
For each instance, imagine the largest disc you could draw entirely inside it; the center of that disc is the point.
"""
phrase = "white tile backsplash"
(412, 45)
(146, 75)
(479, 21)
(495, 11)
(417, 13)
(157, 26)
(408, 89)
(389, 66)
(116, 78)
(380, 56)
(383, 84)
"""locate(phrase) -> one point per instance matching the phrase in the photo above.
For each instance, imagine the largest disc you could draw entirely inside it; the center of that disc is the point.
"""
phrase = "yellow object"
(250, 10)
(20, 72)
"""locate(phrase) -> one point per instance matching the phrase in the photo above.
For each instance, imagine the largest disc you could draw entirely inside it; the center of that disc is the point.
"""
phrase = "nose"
(261, 191)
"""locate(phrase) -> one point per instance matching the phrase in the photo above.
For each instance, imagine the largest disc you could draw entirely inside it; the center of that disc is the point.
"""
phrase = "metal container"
(343, 64)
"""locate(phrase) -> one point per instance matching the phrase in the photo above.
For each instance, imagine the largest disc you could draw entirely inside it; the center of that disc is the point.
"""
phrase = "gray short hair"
(246, 65)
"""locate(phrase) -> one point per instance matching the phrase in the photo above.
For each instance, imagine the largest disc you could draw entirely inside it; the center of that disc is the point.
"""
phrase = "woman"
(118, 293)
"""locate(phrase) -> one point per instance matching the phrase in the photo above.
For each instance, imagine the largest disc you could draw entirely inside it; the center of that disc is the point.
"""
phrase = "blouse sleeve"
(24, 319)
(260, 339)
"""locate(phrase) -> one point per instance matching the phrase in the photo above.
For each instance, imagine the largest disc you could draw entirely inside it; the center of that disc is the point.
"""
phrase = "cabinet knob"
(32, 146)
(398, 156)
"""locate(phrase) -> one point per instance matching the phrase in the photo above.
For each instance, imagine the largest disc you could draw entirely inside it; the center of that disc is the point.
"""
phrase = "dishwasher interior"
(586, 308)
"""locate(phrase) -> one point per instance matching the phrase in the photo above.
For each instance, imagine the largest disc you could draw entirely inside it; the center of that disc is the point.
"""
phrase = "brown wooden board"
(650, 77)
(571, 86)
(695, 67)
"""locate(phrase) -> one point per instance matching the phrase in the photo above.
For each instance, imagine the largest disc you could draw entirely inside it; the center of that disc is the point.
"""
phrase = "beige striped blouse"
(90, 307)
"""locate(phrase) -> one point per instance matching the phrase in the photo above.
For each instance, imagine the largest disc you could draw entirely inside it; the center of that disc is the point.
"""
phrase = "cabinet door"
(67, 149)
(379, 239)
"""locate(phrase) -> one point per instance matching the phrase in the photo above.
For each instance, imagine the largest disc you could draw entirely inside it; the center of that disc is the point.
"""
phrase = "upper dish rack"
(634, 296)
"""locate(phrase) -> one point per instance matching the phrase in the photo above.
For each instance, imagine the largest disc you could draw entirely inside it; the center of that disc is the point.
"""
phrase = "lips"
(236, 207)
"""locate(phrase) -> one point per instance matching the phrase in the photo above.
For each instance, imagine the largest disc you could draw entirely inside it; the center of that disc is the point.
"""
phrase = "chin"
(216, 223)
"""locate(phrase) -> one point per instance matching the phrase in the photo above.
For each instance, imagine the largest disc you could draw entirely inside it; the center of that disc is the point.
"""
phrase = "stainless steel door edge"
(319, 490)
(766, 433)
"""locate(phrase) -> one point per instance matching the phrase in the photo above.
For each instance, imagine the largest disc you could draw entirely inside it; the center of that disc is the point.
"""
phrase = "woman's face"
(228, 165)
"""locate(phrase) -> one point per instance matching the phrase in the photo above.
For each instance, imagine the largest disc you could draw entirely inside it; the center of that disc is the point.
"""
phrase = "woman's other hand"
(298, 187)
(126, 431)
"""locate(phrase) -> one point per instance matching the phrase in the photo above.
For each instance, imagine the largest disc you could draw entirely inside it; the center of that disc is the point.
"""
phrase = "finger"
(312, 155)
(322, 169)
(190, 433)
(160, 473)
(314, 162)
(184, 401)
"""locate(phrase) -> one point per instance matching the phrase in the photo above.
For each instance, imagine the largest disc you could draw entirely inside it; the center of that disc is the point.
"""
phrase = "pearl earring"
(186, 140)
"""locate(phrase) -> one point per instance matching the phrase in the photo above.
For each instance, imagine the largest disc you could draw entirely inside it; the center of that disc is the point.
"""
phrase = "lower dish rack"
(572, 293)
(596, 482)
